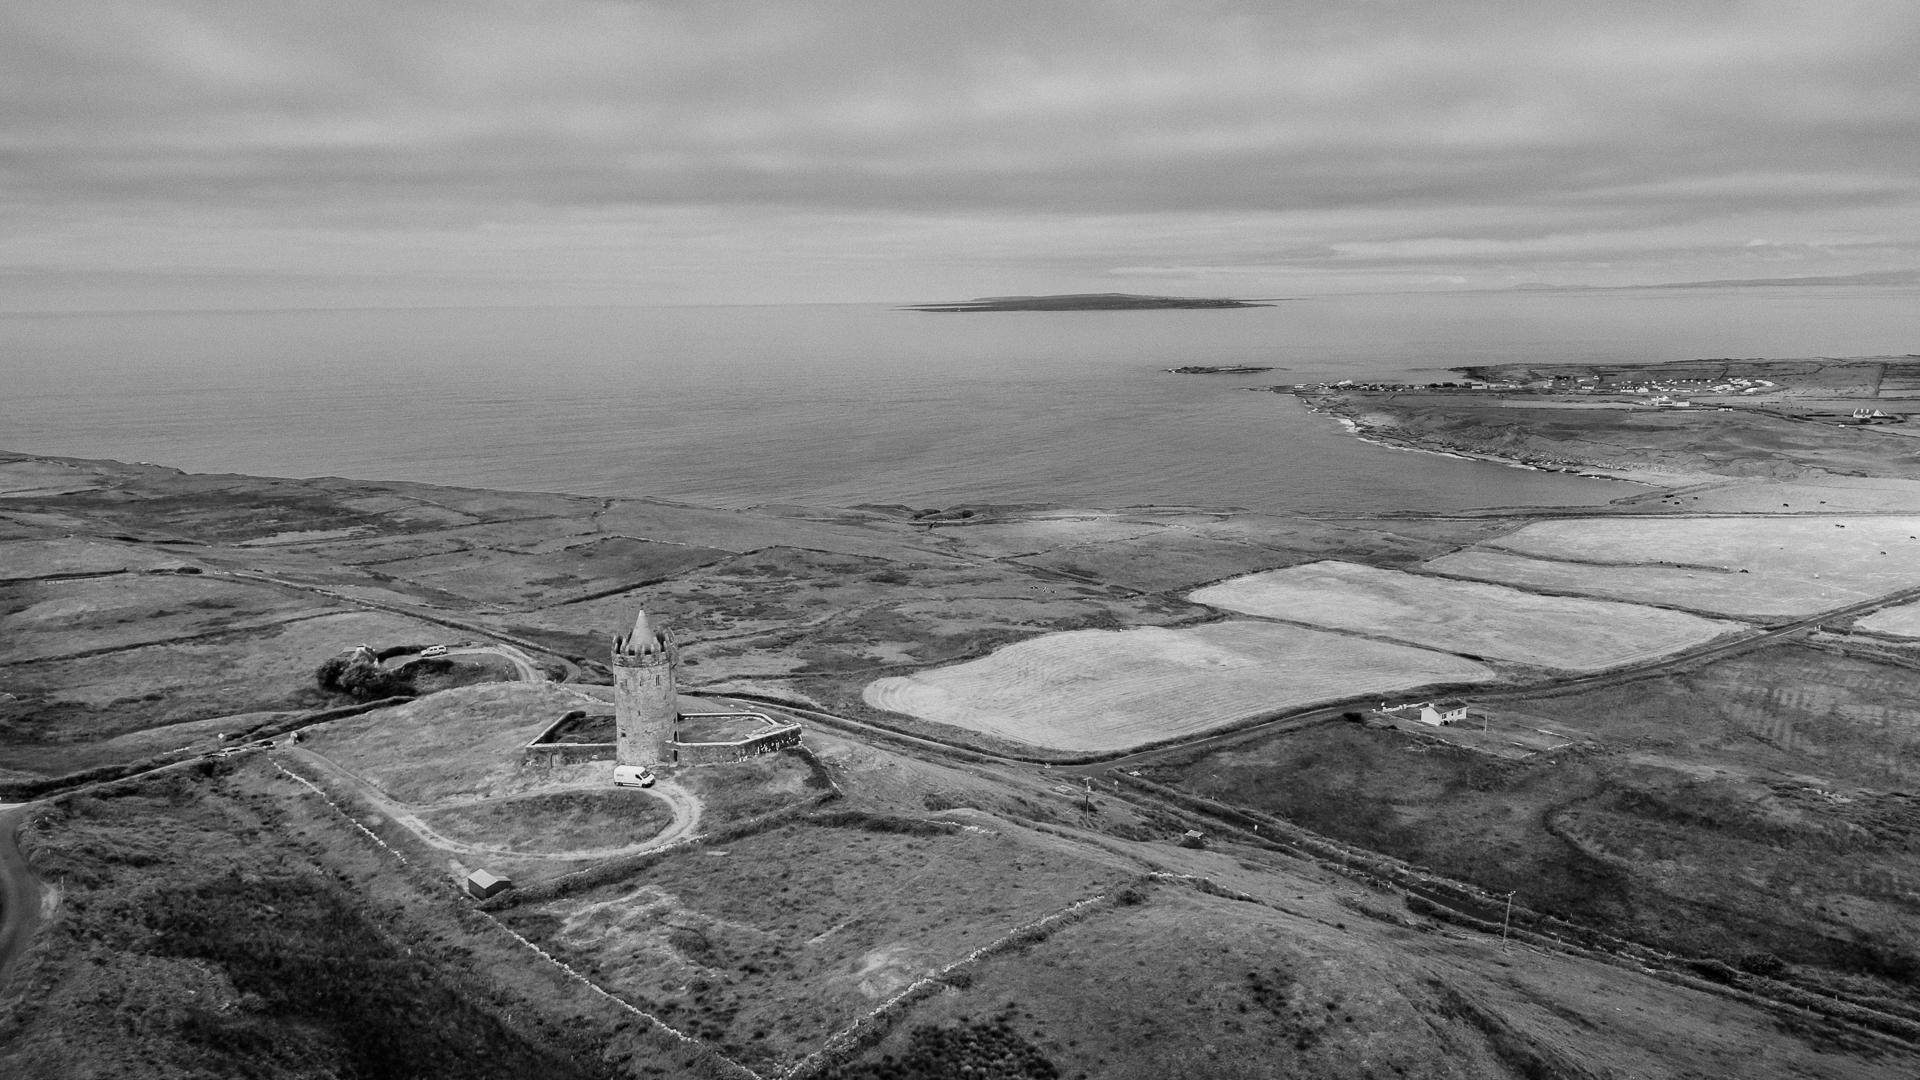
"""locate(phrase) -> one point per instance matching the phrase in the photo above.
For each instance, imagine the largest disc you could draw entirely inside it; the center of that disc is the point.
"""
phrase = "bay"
(844, 404)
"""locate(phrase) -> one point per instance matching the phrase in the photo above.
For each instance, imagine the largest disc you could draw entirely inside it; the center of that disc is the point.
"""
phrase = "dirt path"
(686, 814)
(20, 891)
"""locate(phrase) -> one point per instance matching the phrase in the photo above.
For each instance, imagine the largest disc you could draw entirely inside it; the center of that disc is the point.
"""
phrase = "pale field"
(1794, 565)
(21, 479)
(41, 558)
(1103, 690)
(1830, 495)
(1465, 616)
(1698, 588)
(1033, 535)
(1902, 621)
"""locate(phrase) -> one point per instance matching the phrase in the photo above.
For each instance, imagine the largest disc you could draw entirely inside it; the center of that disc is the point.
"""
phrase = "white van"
(632, 776)
(434, 650)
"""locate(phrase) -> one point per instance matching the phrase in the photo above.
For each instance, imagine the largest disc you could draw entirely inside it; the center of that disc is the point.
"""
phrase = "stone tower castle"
(646, 701)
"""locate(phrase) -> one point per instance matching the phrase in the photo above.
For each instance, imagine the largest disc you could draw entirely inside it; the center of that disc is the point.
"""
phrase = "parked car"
(632, 776)
(434, 650)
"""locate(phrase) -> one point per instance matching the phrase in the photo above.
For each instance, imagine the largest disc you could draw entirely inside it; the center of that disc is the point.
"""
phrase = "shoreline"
(1375, 436)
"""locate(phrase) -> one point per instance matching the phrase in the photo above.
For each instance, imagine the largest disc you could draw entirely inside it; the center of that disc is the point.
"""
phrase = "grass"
(44, 619)
(782, 610)
(741, 790)
(1199, 987)
(463, 742)
(1748, 808)
(770, 944)
(518, 578)
(555, 821)
(197, 937)
(1099, 690)
(77, 555)
(68, 711)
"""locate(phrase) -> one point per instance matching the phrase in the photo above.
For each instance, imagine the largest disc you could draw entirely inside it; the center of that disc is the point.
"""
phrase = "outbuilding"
(482, 885)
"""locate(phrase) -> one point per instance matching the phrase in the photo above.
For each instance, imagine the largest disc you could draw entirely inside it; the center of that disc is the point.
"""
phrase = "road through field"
(20, 891)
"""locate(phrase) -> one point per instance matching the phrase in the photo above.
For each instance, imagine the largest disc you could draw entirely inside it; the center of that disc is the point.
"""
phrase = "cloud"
(410, 131)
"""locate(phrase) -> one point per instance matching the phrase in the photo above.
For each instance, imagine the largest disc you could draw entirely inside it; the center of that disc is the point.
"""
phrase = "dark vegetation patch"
(355, 676)
(195, 939)
(248, 510)
(966, 1051)
(767, 944)
(1725, 867)
(741, 790)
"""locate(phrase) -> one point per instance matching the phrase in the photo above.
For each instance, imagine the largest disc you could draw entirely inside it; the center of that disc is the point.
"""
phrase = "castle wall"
(716, 753)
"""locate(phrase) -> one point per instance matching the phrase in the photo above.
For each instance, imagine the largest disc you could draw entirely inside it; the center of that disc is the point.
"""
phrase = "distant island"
(1085, 302)
(1216, 369)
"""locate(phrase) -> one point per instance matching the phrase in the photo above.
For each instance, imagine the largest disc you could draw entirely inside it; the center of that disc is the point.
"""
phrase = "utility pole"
(1506, 922)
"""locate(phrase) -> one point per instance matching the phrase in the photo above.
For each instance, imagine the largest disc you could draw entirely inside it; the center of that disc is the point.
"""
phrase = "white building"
(1432, 713)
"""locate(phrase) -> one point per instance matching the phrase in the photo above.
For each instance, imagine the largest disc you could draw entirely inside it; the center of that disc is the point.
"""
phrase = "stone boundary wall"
(550, 754)
(540, 751)
(867, 1031)
(714, 753)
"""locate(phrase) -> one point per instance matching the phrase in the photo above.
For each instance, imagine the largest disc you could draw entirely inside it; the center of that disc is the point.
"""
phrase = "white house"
(1436, 713)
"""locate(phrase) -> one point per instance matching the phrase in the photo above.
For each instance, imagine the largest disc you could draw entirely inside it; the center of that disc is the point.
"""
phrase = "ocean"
(843, 404)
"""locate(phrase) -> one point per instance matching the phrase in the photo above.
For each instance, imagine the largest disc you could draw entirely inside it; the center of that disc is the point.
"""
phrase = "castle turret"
(645, 697)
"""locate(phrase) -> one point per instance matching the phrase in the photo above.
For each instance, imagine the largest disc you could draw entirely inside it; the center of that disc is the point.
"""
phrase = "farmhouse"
(1431, 713)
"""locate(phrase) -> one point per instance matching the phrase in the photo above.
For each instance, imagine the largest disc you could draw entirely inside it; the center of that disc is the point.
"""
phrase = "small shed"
(482, 885)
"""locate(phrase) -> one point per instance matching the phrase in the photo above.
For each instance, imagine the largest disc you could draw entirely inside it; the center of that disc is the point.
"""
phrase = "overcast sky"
(156, 153)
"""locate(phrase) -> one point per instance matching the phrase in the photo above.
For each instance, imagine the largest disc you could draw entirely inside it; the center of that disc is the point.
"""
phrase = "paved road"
(19, 890)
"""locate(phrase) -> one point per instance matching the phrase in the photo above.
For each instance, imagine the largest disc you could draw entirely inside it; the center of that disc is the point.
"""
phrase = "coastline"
(1380, 437)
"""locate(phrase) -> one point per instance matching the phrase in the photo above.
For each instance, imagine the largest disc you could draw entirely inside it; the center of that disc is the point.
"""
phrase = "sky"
(266, 153)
